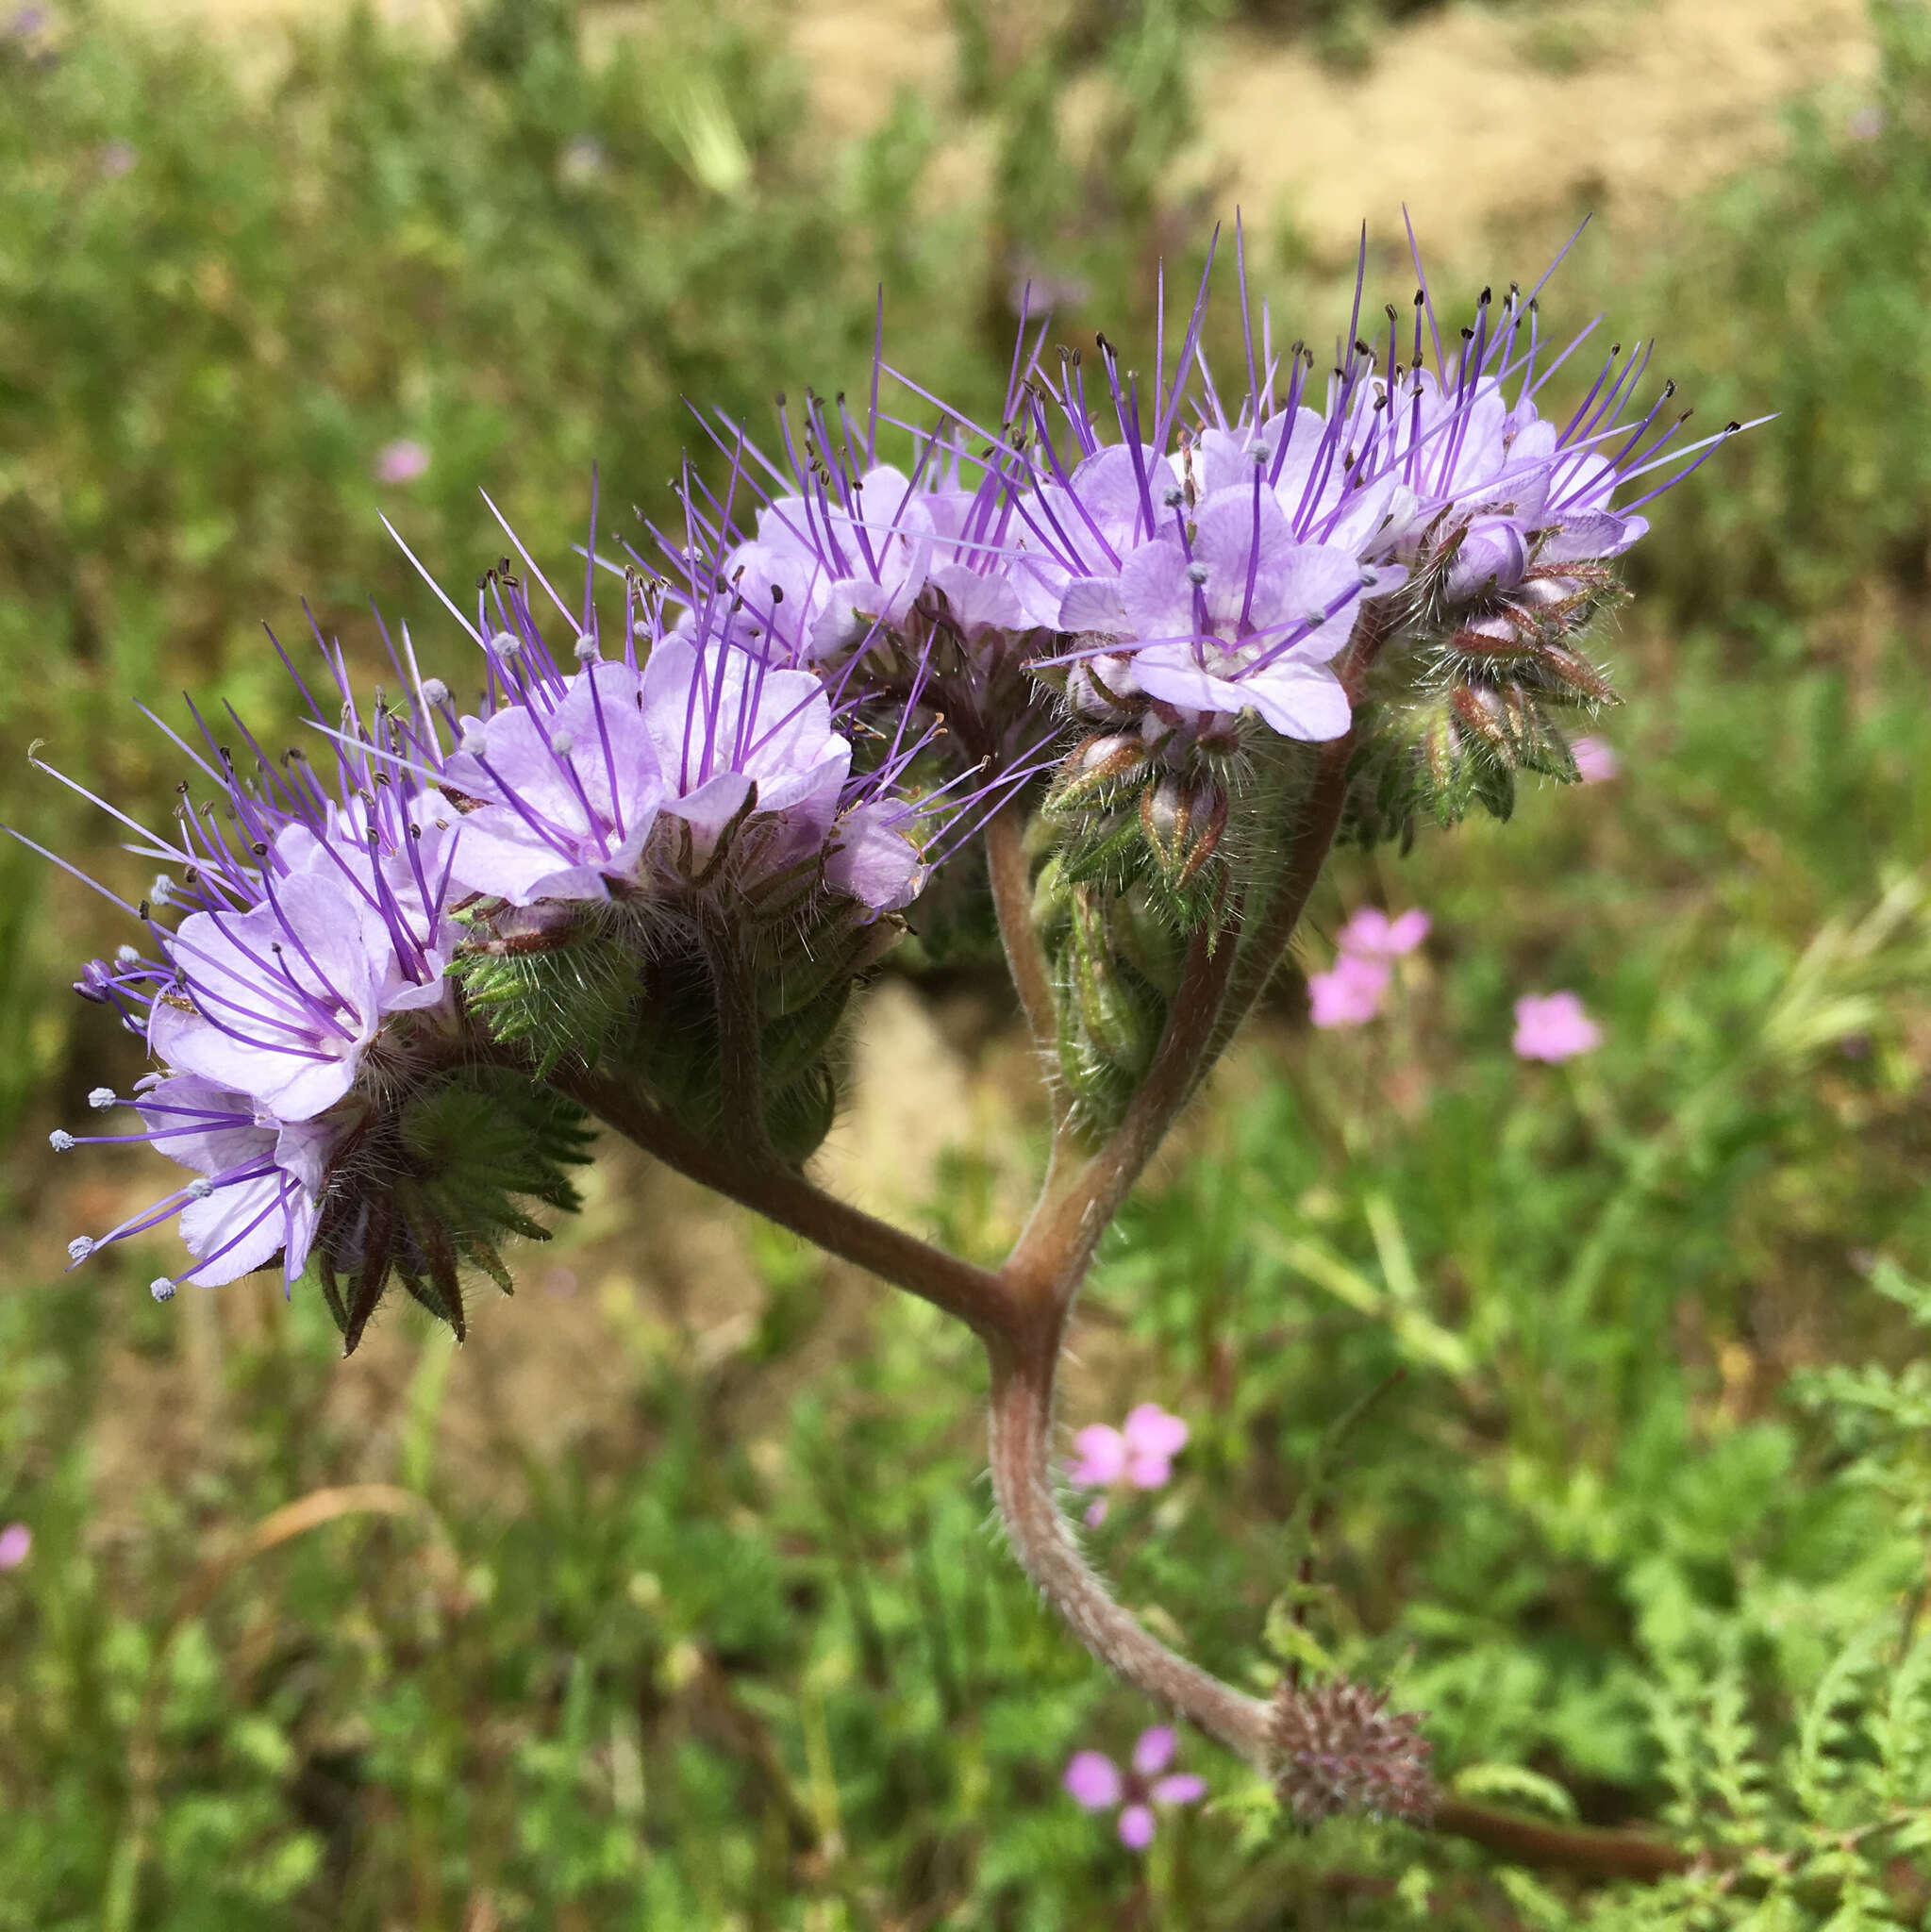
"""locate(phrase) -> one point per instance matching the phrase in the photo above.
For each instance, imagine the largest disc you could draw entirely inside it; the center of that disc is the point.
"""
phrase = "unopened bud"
(1095, 769)
(1182, 823)
(1336, 1747)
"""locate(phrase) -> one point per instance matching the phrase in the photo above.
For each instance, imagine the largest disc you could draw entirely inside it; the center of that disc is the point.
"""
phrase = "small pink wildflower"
(1596, 761)
(16, 1545)
(1350, 994)
(1097, 1784)
(1371, 934)
(1139, 1452)
(1553, 1027)
(401, 461)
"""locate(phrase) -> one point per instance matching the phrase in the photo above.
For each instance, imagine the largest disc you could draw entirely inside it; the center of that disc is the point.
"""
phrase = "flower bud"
(1182, 825)
(1338, 1748)
(1110, 1016)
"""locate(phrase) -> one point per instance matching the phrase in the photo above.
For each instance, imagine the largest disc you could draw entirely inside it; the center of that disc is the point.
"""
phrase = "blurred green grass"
(1643, 1523)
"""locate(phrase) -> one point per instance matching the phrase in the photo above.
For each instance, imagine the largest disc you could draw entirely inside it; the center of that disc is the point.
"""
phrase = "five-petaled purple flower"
(1350, 992)
(1139, 1452)
(1097, 1784)
(1553, 1027)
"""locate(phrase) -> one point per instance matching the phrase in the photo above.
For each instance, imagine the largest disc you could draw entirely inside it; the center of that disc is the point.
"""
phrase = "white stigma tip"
(563, 745)
(1173, 496)
(162, 889)
(80, 1247)
(473, 739)
(1197, 574)
(201, 1187)
(60, 1140)
(161, 1288)
(435, 691)
(125, 955)
(505, 645)
(100, 1099)
(586, 652)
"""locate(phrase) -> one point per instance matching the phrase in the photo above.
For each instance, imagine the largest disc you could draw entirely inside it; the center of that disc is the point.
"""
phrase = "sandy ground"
(1517, 113)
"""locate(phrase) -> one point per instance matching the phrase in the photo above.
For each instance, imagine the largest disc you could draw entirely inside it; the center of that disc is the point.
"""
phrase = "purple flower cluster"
(304, 985)
(1204, 560)
(819, 689)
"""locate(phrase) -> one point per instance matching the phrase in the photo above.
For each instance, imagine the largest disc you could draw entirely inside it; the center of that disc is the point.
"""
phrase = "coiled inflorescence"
(672, 840)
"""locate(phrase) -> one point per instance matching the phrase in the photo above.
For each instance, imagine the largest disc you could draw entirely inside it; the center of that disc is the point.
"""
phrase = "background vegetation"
(677, 1606)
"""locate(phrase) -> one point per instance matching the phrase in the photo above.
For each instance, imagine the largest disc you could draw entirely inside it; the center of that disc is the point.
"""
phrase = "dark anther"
(1468, 335)
(1731, 428)
(777, 593)
(1421, 298)
(1389, 308)
(1482, 300)
(259, 850)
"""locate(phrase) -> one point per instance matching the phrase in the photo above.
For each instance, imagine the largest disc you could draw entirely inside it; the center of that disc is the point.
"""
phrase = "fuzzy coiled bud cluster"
(351, 980)
(673, 843)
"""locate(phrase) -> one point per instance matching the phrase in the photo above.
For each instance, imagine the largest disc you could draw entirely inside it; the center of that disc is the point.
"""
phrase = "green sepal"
(423, 1191)
(567, 997)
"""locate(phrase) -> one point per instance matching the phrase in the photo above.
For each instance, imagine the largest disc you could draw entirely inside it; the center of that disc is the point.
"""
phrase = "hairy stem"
(1012, 900)
(1047, 1549)
(1021, 1428)
(1593, 1854)
(978, 1297)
